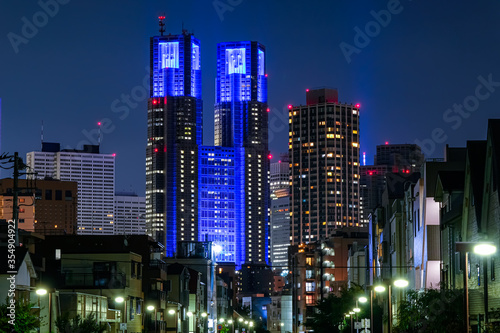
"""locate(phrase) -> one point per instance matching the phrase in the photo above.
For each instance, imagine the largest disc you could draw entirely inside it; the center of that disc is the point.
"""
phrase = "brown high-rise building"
(324, 166)
(54, 206)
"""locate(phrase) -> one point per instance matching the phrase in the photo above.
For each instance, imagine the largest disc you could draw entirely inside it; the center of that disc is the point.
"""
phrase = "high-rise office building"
(130, 214)
(208, 193)
(279, 176)
(395, 158)
(235, 174)
(92, 171)
(279, 219)
(174, 133)
(324, 166)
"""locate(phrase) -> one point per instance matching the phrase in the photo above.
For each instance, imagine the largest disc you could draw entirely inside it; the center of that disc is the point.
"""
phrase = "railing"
(96, 280)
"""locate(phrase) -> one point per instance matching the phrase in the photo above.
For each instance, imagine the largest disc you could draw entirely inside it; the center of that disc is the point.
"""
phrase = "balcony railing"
(97, 280)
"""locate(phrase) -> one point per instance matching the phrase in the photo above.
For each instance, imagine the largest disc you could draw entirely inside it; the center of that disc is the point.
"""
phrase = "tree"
(78, 325)
(329, 314)
(431, 310)
(25, 320)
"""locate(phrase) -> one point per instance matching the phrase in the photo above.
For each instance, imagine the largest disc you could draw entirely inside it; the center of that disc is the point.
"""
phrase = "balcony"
(157, 270)
(100, 280)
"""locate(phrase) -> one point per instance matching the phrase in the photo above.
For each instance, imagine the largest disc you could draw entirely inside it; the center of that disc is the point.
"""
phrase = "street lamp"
(482, 249)
(119, 300)
(153, 308)
(399, 283)
(43, 292)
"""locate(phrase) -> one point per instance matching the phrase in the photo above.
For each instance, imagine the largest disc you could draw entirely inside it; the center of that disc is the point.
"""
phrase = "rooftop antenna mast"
(99, 137)
(41, 135)
(162, 24)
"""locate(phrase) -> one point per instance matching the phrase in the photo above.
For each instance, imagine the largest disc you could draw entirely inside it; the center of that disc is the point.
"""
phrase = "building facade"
(174, 133)
(129, 216)
(395, 158)
(241, 122)
(279, 218)
(208, 193)
(92, 171)
(324, 166)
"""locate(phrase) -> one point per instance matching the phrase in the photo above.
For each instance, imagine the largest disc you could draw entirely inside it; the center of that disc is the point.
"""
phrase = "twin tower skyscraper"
(208, 193)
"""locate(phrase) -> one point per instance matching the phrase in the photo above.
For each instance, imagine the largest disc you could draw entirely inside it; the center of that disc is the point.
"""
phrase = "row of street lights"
(380, 288)
(483, 249)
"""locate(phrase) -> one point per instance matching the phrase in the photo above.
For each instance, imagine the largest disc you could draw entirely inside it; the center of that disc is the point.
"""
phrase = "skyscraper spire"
(162, 24)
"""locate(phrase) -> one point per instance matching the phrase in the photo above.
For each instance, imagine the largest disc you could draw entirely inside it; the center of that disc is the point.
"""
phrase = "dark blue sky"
(424, 58)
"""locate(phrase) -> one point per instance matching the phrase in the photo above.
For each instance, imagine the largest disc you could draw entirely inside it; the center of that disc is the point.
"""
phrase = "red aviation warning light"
(358, 105)
(98, 123)
(269, 156)
(290, 106)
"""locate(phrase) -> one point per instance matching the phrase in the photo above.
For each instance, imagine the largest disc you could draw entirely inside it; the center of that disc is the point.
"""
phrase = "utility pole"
(17, 165)
(15, 206)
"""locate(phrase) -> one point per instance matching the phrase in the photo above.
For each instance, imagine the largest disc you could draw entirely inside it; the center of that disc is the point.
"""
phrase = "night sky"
(423, 58)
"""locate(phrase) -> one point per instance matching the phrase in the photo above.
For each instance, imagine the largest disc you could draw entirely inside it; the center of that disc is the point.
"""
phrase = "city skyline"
(436, 67)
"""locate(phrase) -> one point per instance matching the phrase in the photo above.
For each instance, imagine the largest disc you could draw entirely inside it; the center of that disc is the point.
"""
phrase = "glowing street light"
(41, 292)
(401, 283)
(217, 248)
(363, 299)
(119, 299)
(379, 288)
(485, 249)
(150, 308)
(482, 249)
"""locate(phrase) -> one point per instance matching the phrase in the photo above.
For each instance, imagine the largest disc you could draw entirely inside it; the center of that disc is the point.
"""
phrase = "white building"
(280, 213)
(95, 175)
(130, 214)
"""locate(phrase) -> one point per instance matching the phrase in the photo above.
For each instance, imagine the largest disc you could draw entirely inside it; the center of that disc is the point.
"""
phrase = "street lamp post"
(120, 300)
(483, 249)
(399, 283)
(41, 292)
(152, 308)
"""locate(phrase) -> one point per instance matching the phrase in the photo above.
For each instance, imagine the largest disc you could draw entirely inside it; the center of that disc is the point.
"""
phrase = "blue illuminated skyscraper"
(208, 193)
(234, 176)
(174, 133)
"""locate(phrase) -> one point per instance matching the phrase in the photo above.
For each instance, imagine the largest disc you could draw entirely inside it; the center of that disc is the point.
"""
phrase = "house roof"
(476, 152)
(452, 180)
(494, 137)
(395, 184)
(175, 269)
(22, 255)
